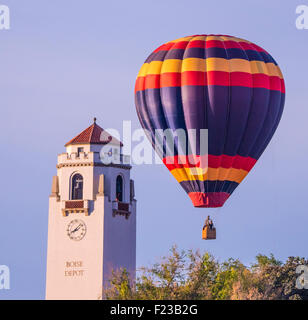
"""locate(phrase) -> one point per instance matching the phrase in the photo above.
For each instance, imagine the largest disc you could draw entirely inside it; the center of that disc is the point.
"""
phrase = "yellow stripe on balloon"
(210, 64)
(274, 70)
(223, 38)
(199, 38)
(143, 70)
(181, 39)
(154, 67)
(171, 65)
(194, 64)
(221, 174)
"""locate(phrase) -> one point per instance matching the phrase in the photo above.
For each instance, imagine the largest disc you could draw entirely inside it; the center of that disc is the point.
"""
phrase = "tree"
(195, 276)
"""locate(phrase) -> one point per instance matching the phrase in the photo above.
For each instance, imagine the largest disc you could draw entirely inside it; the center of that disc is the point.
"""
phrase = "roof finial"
(94, 120)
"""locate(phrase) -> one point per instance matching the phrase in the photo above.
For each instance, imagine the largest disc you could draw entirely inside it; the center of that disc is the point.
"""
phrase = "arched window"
(119, 188)
(77, 187)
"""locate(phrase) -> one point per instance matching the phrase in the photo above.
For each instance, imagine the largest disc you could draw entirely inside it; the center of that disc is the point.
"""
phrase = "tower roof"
(94, 135)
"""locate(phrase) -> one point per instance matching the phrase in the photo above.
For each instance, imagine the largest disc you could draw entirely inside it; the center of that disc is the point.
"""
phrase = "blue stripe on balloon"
(230, 134)
(209, 186)
(232, 53)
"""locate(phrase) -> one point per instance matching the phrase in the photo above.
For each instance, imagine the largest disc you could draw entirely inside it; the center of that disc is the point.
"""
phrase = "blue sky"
(64, 62)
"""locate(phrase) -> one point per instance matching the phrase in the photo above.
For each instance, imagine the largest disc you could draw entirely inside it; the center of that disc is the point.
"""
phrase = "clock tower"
(92, 217)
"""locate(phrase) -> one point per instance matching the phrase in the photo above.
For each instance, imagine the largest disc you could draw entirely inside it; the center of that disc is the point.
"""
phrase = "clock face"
(76, 229)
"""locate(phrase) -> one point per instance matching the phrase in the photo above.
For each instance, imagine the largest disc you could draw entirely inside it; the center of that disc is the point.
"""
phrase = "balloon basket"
(208, 233)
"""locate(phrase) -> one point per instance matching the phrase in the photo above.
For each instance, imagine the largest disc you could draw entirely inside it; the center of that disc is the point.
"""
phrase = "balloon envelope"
(229, 86)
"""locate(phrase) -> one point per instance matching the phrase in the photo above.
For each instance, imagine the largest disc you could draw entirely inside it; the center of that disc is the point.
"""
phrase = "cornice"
(93, 164)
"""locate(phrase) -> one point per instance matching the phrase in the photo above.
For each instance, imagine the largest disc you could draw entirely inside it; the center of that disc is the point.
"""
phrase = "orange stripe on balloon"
(209, 174)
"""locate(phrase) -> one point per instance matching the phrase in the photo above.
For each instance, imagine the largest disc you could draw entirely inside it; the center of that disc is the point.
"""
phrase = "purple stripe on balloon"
(243, 131)
(209, 186)
(232, 53)
(270, 124)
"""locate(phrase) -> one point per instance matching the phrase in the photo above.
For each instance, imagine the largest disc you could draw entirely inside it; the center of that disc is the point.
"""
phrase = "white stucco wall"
(110, 241)
(60, 283)
(119, 243)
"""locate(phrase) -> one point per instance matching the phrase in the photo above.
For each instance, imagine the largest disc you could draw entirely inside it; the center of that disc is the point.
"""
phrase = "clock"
(76, 229)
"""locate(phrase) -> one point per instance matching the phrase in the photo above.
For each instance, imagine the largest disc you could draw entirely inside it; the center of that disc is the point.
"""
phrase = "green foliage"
(229, 272)
(195, 276)
(120, 286)
(267, 261)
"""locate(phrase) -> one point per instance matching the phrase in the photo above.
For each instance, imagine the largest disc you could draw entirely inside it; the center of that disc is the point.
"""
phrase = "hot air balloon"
(227, 85)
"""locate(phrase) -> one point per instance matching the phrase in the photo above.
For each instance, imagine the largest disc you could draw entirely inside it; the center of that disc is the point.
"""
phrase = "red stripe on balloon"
(222, 161)
(225, 44)
(219, 78)
(172, 79)
(164, 47)
(179, 45)
(195, 78)
(209, 199)
(153, 81)
(139, 85)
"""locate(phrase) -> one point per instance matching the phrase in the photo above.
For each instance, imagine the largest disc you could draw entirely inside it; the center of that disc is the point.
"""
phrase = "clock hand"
(76, 228)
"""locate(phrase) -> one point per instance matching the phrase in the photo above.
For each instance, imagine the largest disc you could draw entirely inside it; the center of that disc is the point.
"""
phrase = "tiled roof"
(94, 135)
